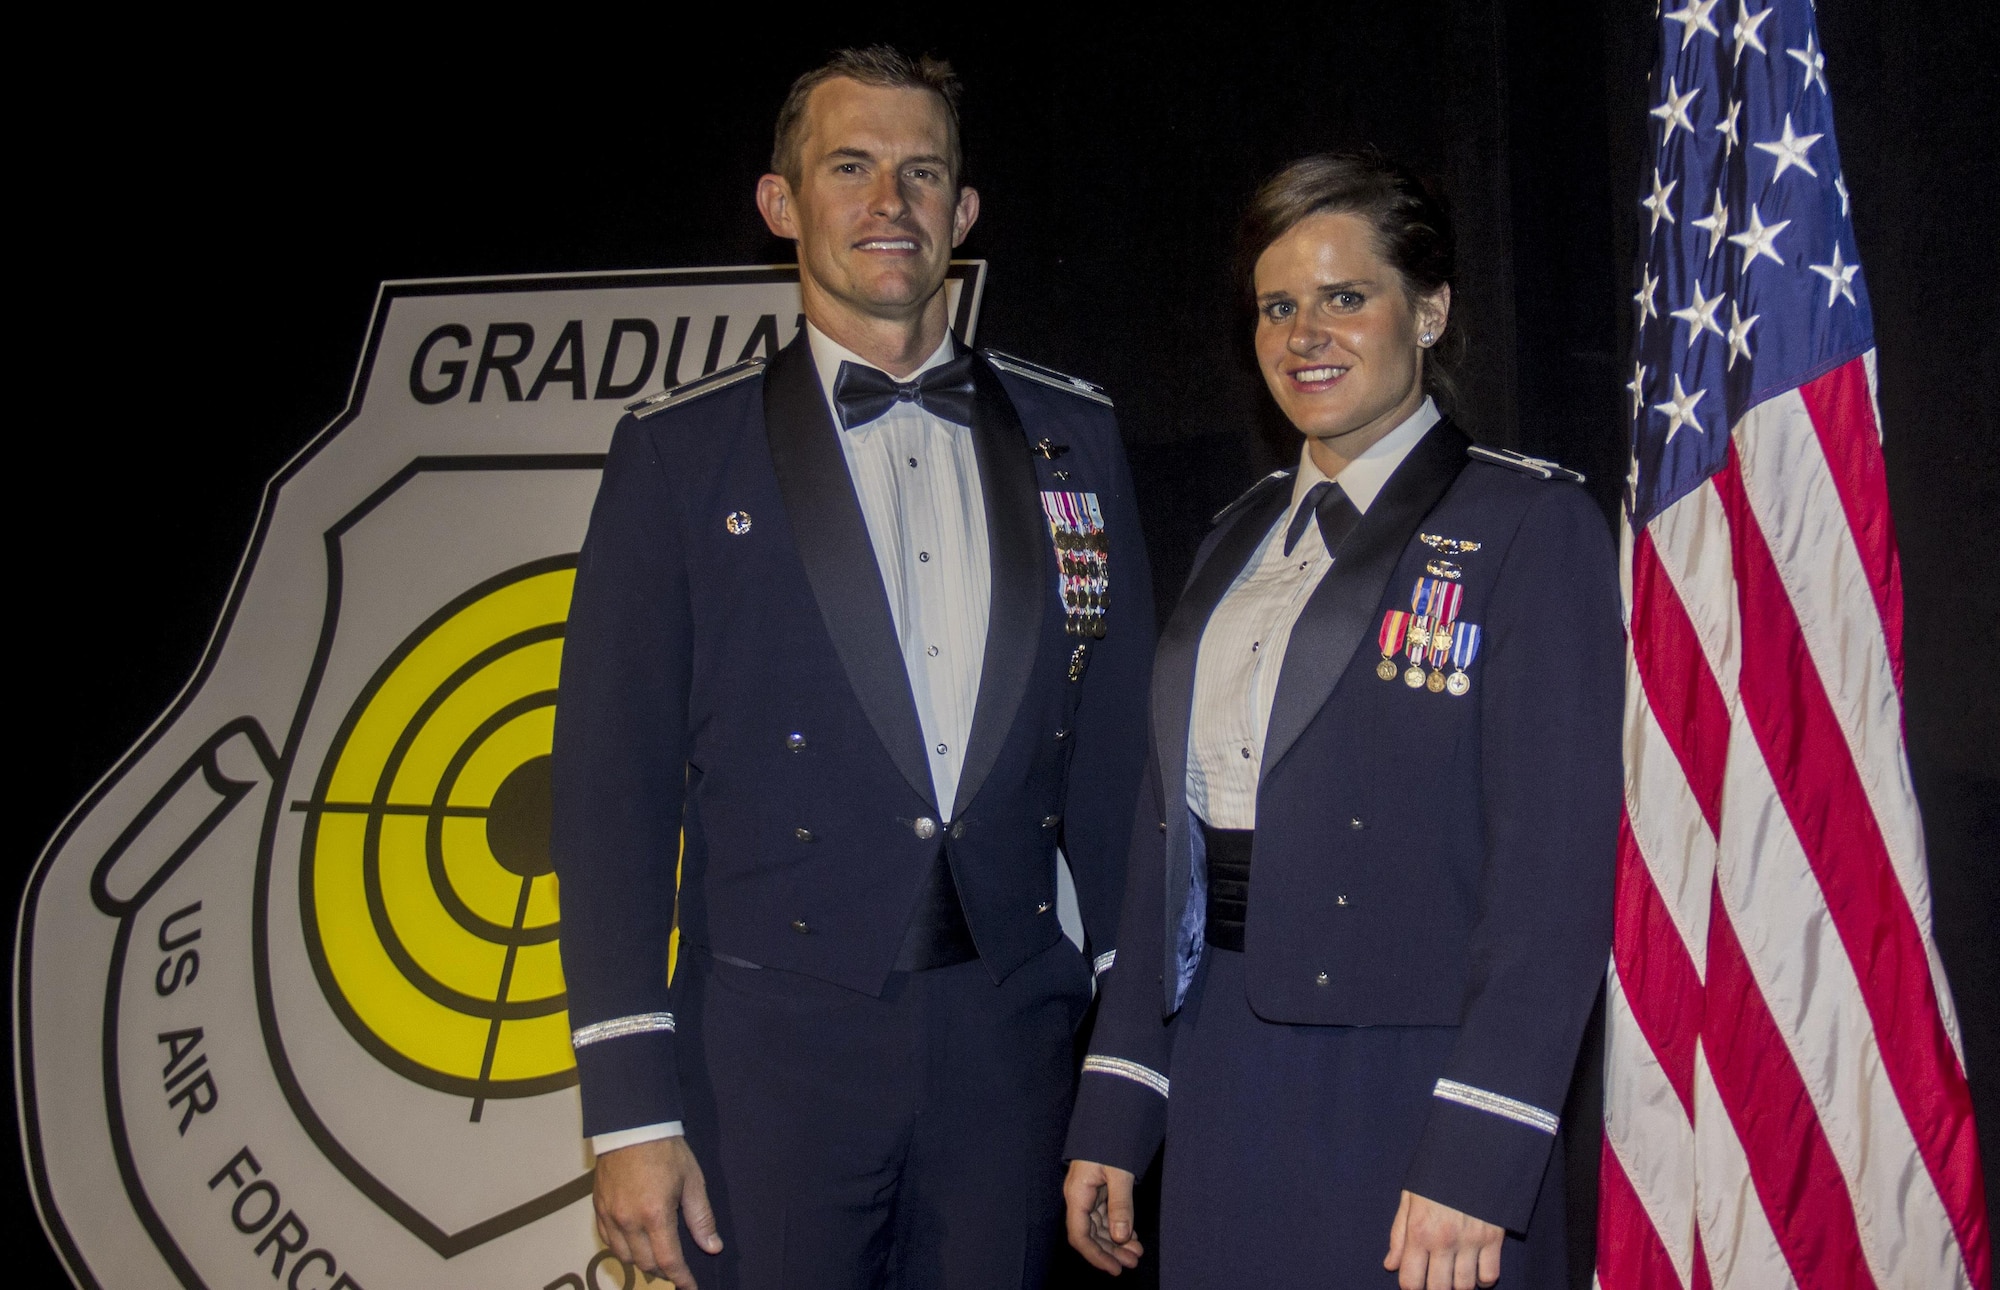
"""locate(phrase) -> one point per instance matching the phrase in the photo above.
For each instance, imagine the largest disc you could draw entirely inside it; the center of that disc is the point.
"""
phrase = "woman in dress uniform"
(1369, 901)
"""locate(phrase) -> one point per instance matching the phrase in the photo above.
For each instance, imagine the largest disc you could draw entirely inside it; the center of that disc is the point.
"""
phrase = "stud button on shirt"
(1243, 646)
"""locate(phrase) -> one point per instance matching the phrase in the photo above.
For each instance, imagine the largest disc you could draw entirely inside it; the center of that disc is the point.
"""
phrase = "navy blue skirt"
(1287, 1147)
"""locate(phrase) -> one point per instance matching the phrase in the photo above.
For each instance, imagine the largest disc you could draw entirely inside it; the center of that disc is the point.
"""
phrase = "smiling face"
(875, 209)
(1337, 335)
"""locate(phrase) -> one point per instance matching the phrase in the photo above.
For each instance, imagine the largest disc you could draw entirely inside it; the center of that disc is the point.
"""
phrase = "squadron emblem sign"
(289, 997)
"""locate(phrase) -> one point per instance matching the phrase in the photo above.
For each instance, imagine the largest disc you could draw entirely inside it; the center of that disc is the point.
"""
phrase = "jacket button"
(799, 926)
(1163, 826)
(795, 741)
(1043, 908)
(958, 828)
(1356, 823)
(1321, 979)
(806, 835)
(1062, 734)
(1340, 900)
(925, 827)
(1050, 821)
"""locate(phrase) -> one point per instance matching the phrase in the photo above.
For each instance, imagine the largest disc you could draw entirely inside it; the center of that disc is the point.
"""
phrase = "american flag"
(1786, 1101)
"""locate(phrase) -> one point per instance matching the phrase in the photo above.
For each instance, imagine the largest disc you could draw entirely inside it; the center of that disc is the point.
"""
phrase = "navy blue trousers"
(1287, 1145)
(912, 1140)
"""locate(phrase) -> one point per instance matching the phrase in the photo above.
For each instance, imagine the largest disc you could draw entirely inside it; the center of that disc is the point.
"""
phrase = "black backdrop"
(209, 228)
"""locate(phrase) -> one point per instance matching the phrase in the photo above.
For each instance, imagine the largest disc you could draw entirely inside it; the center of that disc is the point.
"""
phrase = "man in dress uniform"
(860, 637)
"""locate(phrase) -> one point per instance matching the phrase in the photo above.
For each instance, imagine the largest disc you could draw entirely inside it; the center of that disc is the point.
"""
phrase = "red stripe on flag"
(1630, 1255)
(1809, 761)
(1843, 414)
(1792, 1166)
(1660, 982)
(1698, 1278)
(1680, 688)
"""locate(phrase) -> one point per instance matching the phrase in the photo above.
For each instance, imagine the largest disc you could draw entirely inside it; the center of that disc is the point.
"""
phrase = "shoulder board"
(694, 389)
(1248, 494)
(1047, 376)
(1536, 466)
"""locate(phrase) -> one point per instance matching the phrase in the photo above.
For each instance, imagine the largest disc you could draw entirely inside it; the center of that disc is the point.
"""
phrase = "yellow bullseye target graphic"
(428, 897)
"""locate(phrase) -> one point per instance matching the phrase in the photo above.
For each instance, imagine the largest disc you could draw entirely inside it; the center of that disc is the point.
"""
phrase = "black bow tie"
(1330, 504)
(862, 393)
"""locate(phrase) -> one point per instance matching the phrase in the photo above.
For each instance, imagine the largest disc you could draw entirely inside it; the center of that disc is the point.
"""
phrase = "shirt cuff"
(605, 1143)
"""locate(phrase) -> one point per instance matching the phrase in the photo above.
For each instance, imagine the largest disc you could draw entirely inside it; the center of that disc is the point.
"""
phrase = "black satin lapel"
(1173, 675)
(1019, 553)
(1343, 607)
(834, 546)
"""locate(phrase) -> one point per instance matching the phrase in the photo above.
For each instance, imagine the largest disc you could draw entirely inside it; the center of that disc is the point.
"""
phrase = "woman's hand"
(1432, 1246)
(1099, 1200)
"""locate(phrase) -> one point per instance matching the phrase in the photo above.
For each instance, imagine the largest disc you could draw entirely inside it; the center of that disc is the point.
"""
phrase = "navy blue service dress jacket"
(734, 702)
(1421, 858)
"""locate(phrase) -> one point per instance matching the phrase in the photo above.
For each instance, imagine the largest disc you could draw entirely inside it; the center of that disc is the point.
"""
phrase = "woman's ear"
(1434, 312)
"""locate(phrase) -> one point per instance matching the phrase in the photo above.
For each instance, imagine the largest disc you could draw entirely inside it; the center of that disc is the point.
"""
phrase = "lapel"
(1016, 546)
(1173, 682)
(833, 544)
(1343, 607)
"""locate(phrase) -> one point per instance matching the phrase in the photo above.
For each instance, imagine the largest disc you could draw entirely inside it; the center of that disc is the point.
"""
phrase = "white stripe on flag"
(1799, 511)
(1667, 823)
(1646, 1126)
(1692, 539)
(1874, 399)
(1736, 1236)
(1795, 953)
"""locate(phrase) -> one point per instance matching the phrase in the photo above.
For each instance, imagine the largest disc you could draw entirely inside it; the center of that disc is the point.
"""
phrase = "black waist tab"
(1228, 884)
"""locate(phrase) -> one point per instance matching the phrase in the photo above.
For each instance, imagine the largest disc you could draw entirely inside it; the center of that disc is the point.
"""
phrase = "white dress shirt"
(1243, 646)
(917, 478)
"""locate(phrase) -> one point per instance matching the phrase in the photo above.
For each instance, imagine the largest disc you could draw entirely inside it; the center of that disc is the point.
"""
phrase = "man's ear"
(965, 215)
(779, 209)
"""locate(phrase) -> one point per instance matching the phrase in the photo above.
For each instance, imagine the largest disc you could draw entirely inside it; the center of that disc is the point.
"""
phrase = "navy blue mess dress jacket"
(1423, 856)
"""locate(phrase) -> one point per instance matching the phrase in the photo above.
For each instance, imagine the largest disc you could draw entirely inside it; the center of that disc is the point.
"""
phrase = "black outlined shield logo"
(288, 991)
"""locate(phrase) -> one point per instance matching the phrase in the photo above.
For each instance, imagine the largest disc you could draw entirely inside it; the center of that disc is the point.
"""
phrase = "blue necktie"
(861, 393)
(1328, 502)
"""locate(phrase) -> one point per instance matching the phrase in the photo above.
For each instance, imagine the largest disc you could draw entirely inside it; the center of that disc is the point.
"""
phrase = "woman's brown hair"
(1411, 222)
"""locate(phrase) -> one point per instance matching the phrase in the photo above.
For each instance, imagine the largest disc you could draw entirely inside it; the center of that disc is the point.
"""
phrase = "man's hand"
(1099, 1200)
(640, 1190)
(1435, 1247)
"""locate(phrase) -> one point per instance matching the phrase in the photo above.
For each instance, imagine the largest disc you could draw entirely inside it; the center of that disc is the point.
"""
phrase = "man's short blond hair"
(880, 65)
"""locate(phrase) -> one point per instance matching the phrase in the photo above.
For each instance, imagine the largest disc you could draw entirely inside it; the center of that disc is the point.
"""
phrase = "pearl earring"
(1426, 339)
